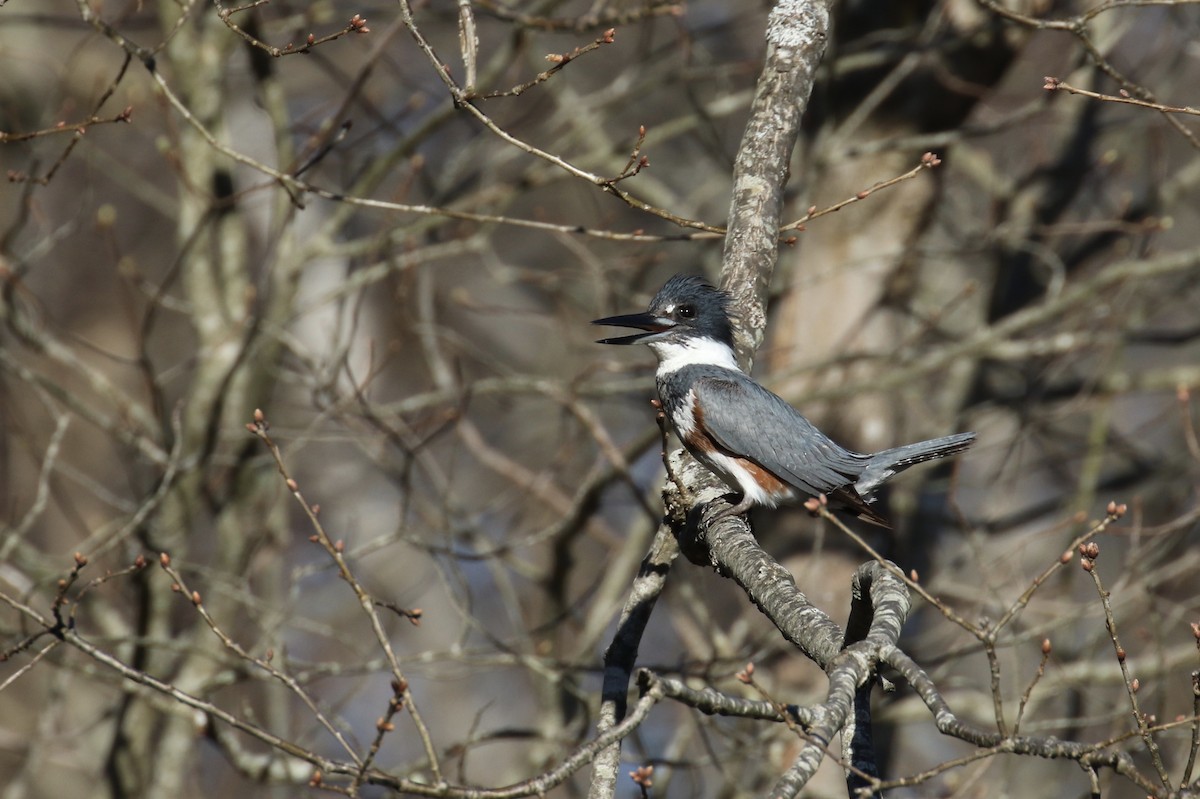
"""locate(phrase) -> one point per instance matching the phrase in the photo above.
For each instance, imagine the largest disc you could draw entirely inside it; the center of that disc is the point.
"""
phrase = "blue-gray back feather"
(747, 420)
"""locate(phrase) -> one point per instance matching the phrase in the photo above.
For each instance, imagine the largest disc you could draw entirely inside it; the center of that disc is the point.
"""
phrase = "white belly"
(741, 479)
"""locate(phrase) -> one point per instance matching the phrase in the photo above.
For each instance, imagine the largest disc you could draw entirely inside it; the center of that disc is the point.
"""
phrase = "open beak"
(642, 321)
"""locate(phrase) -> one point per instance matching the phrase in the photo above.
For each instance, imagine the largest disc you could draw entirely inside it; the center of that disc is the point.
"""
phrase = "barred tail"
(884, 465)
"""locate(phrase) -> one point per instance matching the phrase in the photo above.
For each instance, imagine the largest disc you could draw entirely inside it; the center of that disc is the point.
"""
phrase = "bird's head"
(685, 312)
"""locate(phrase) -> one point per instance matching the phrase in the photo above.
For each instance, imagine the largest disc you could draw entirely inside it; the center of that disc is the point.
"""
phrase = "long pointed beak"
(642, 321)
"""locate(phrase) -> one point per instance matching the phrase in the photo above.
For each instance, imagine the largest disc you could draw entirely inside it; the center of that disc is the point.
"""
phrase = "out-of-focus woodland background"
(403, 284)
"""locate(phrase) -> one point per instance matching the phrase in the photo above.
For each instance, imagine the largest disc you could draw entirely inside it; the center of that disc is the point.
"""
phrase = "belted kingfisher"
(757, 443)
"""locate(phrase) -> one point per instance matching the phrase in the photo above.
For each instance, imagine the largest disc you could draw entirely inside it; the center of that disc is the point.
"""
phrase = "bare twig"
(335, 549)
(263, 663)
(356, 24)
(1088, 554)
(928, 161)
(1054, 84)
(559, 60)
(77, 128)
(606, 18)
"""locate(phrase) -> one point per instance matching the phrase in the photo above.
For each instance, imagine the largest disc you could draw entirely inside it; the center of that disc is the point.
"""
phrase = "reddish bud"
(195, 597)
(1135, 685)
(339, 546)
(311, 39)
(609, 35)
(164, 559)
(1121, 654)
(80, 559)
(139, 562)
(641, 775)
(1052, 83)
(1065, 557)
(914, 576)
(292, 485)
(1047, 647)
(1087, 565)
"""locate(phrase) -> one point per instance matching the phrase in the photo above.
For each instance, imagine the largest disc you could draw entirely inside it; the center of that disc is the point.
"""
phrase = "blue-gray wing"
(748, 420)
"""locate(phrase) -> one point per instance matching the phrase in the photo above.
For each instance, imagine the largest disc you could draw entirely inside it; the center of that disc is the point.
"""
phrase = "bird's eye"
(687, 311)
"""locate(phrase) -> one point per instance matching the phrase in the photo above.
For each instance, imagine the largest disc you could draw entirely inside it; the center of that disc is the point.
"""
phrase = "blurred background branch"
(306, 208)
